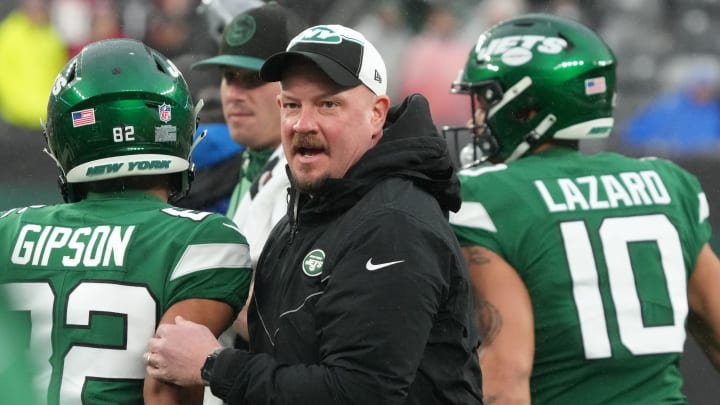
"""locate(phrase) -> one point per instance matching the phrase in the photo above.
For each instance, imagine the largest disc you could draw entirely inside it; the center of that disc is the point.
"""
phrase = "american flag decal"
(83, 117)
(595, 85)
(165, 112)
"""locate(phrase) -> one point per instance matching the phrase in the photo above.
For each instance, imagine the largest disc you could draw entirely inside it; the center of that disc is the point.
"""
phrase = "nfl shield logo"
(165, 112)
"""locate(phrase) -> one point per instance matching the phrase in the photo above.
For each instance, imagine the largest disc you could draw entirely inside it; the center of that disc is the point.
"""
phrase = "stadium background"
(659, 45)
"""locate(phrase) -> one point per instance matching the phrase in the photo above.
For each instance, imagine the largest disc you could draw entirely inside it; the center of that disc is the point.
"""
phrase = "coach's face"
(326, 128)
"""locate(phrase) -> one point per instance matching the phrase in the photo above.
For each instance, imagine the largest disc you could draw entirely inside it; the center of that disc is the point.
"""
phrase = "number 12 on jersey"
(81, 362)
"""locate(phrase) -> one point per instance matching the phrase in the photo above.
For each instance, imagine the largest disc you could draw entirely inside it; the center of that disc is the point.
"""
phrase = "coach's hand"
(177, 352)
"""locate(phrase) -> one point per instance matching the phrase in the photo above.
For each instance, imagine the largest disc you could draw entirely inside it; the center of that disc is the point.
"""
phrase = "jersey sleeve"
(694, 206)
(473, 224)
(214, 263)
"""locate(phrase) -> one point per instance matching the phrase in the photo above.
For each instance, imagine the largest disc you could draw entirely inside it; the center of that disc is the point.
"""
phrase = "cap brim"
(273, 68)
(244, 62)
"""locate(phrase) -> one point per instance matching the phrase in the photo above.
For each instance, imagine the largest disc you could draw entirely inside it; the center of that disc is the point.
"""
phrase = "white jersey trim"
(473, 215)
(704, 209)
(211, 256)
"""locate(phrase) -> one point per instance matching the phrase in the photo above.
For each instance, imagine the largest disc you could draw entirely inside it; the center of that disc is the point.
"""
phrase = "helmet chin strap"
(532, 138)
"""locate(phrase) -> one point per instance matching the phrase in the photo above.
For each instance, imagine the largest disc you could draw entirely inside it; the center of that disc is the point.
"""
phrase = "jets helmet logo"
(516, 50)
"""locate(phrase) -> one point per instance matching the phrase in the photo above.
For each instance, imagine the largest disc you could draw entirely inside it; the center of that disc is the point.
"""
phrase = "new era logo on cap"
(345, 55)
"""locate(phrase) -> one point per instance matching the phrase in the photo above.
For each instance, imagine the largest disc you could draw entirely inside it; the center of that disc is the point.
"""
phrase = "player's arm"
(240, 326)
(217, 316)
(704, 303)
(506, 324)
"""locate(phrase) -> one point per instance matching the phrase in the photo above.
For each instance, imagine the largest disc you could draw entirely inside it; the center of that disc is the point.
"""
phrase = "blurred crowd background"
(668, 73)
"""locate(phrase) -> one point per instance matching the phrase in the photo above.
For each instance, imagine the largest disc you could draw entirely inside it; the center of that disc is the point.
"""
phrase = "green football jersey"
(15, 365)
(93, 279)
(605, 245)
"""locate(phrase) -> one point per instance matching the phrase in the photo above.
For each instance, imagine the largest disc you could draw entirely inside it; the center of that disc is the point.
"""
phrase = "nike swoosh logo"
(370, 266)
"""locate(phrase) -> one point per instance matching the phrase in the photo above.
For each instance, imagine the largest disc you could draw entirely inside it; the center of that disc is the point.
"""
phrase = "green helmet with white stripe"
(532, 78)
(119, 109)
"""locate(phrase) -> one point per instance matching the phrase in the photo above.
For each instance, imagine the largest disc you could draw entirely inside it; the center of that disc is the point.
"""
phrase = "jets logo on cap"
(320, 34)
(240, 31)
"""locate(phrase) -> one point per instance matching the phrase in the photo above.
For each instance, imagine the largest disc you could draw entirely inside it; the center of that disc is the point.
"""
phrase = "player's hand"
(177, 352)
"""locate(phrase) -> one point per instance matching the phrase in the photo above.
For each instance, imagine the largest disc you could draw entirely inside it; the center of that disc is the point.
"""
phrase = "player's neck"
(159, 191)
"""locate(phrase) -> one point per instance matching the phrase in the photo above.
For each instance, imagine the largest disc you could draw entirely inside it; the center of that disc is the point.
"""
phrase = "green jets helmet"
(119, 109)
(533, 78)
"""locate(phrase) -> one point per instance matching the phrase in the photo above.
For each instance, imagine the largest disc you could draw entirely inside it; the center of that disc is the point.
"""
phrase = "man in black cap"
(252, 115)
(253, 118)
(361, 292)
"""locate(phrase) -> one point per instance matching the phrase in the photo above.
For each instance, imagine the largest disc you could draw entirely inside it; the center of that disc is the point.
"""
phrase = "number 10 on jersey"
(616, 235)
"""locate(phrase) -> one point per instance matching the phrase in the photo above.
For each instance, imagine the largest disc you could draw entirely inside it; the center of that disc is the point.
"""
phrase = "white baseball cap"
(344, 54)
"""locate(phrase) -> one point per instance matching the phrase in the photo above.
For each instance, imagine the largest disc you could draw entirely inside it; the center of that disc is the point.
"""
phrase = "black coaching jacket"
(361, 293)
